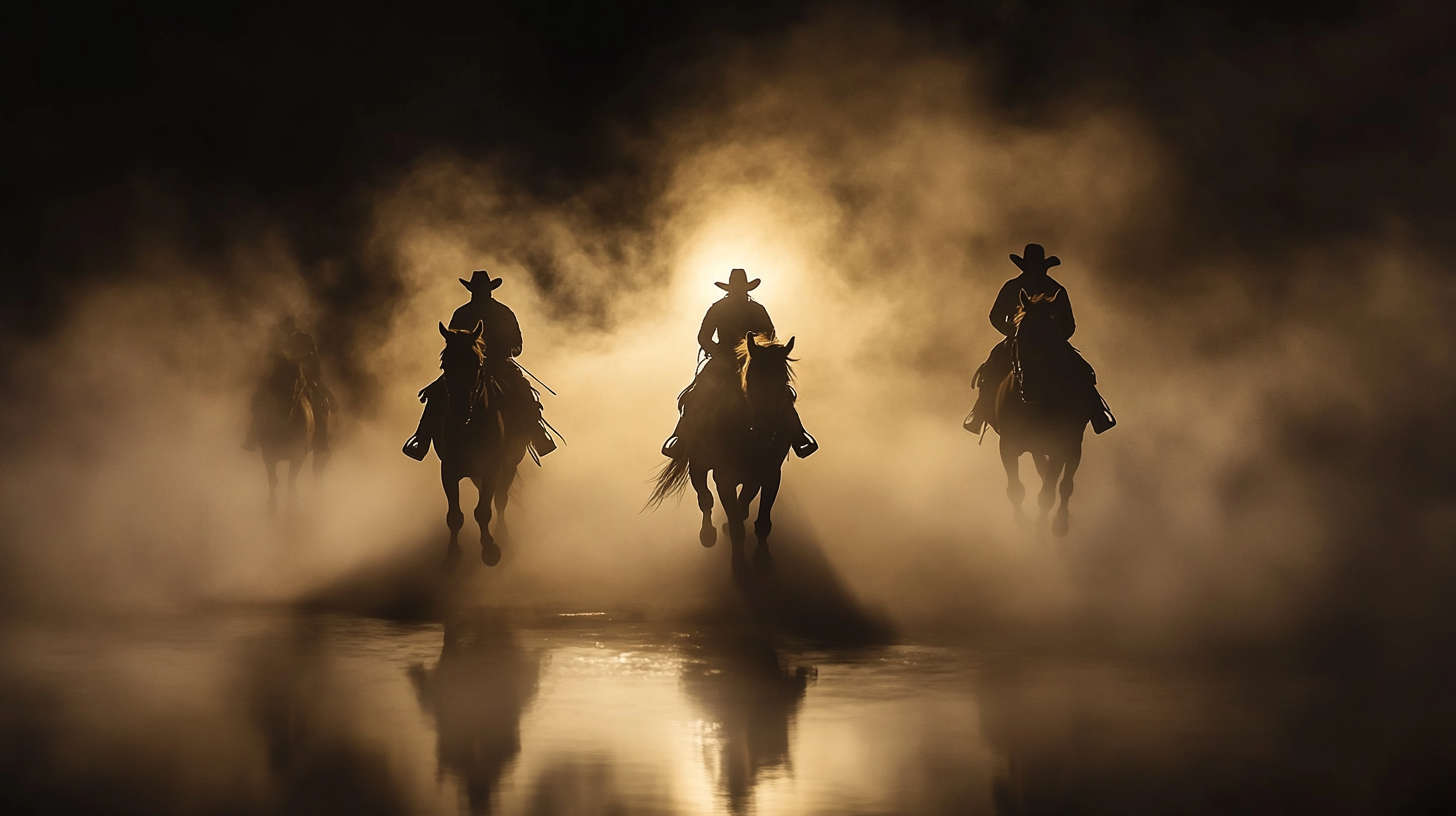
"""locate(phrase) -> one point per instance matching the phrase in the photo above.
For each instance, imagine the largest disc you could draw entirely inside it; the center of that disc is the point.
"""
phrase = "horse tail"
(671, 480)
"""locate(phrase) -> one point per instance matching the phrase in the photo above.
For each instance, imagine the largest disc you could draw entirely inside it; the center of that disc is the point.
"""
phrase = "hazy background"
(1251, 208)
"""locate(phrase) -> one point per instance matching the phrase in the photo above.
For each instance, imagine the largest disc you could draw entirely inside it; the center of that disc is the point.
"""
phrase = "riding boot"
(674, 447)
(419, 444)
(1102, 418)
(804, 443)
(981, 412)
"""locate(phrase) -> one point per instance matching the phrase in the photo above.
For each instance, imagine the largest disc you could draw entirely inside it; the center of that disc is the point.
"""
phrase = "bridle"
(477, 389)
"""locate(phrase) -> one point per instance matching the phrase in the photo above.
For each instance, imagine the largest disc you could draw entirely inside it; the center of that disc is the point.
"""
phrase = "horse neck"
(766, 394)
(460, 402)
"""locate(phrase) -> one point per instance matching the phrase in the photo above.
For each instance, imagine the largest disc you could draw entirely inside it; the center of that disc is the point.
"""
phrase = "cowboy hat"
(1035, 260)
(738, 282)
(480, 277)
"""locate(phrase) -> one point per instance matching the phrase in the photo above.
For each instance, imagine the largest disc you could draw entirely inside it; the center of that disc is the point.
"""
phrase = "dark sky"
(1287, 119)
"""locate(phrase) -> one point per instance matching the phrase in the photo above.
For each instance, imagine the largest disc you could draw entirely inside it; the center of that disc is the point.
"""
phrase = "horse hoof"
(708, 536)
(452, 558)
(490, 554)
(763, 559)
(1060, 525)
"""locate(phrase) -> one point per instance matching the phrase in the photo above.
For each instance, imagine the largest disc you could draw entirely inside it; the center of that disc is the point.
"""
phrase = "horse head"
(463, 361)
(1036, 316)
(766, 376)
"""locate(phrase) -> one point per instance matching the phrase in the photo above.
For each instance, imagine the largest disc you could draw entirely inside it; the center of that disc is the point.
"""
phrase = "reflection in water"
(477, 693)
(317, 760)
(744, 690)
(278, 713)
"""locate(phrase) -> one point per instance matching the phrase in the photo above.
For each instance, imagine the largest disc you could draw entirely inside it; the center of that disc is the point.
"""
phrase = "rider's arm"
(767, 328)
(705, 334)
(1063, 315)
(513, 329)
(1004, 309)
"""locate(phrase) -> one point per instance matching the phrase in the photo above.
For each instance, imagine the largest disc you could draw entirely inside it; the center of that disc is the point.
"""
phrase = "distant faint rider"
(503, 342)
(289, 342)
(1033, 280)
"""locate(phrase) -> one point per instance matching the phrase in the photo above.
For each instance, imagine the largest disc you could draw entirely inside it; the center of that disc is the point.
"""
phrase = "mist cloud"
(1270, 449)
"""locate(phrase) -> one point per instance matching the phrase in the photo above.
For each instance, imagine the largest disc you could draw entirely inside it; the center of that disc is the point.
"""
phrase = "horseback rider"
(290, 344)
(1033, 280)
(502, 333)
(726, 324)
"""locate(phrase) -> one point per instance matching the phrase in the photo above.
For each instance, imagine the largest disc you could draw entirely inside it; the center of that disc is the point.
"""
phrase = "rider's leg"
(804, 443)
(433, 396)
(1102, 418)
(988, 379)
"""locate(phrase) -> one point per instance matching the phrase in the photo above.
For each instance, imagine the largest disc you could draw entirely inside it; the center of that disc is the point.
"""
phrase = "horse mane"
(778, 368)
(1021, 307)
(478, 348)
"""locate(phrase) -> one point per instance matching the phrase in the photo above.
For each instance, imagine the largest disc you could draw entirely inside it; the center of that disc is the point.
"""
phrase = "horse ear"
(1054, 296)
(476, 332)
(789, 346)
(444, 332)
(1022, 298)
(752, 342)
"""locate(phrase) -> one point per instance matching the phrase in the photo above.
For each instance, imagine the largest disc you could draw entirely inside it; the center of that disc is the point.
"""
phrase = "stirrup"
(416, 448)
(806, 446)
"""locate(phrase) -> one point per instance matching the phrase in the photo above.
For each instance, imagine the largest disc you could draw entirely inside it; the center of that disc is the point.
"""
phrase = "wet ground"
(280, 712)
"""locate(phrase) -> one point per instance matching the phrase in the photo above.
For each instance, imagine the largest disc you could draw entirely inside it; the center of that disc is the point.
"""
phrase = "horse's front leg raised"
(454, 518)
(1015, 490)
(490, 552)
(698, 475)
(1063, 521)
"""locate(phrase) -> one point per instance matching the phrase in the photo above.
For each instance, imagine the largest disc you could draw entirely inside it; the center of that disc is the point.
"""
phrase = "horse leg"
(708, 534)
(272, 466)
(728, 495)
(1015, 490)
(294, 466)
(503, 495)
(490, 552)
(454, 518)
(763, 525)
(1063, 520)
(1048, 467)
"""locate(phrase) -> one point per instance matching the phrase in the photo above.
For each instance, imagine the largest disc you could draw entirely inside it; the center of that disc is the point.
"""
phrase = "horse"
(286, 414)
(474, 440)
(744, 437)
(1043, 407)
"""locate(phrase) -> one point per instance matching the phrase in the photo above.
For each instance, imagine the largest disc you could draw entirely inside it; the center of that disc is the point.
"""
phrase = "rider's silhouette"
(725, 325)
(1033, 280)
(290, 343)
(502, 333)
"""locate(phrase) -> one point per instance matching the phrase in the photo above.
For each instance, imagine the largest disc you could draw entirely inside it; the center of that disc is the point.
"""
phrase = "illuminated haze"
(1265, 477)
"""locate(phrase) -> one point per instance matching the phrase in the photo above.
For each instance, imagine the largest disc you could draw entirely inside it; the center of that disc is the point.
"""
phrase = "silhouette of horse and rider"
(290, 408)
(738, 418)
(1035, 390)
(481, 413)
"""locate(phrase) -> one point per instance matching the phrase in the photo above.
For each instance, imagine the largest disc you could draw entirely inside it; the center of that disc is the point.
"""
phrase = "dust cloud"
(1270, 443)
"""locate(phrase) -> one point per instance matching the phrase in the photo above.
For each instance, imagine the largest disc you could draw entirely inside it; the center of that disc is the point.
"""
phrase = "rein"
(477, 388)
